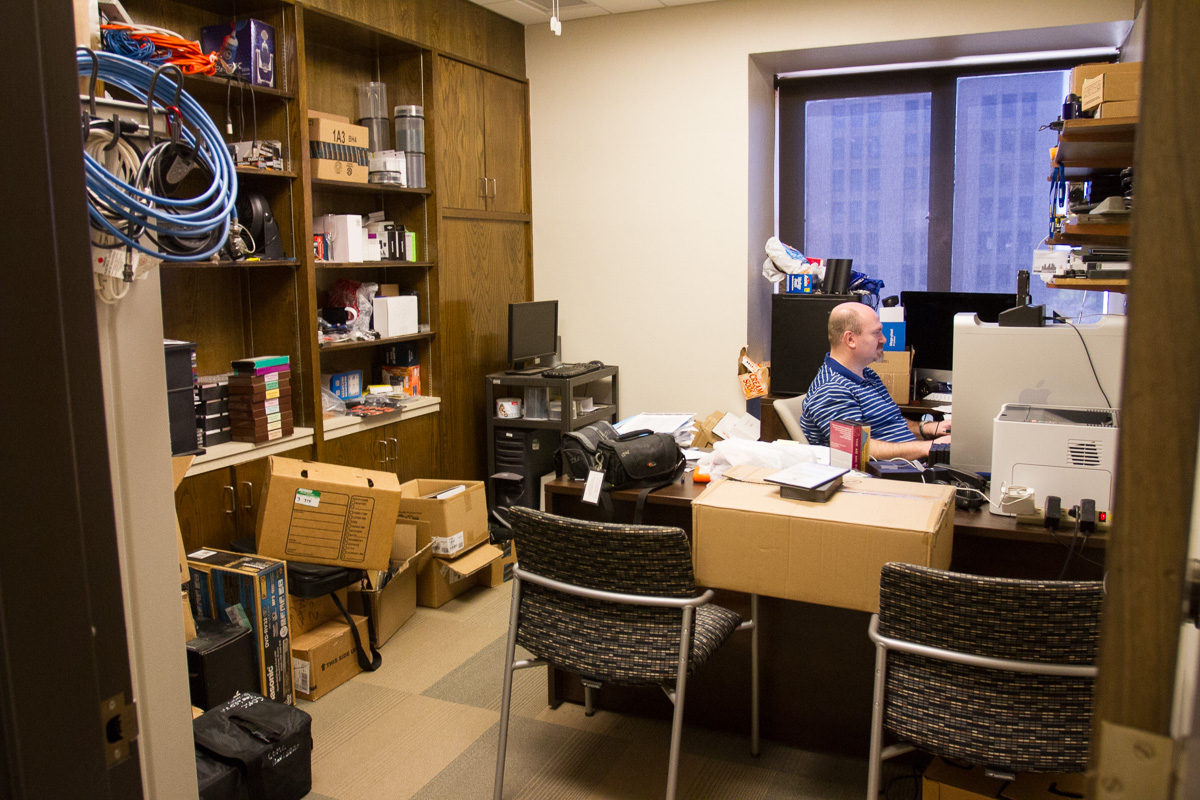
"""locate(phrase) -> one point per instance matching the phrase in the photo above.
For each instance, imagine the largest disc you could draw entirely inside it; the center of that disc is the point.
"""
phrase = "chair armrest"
(1008, 664)
(615, 597)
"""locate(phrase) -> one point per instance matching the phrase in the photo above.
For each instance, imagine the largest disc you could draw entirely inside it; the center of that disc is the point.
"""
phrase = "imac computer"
(532, 336)
(1047, 366)
(929, 326)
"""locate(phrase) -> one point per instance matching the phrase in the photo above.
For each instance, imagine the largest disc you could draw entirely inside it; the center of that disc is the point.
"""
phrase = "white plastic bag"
(783, 259)
(779, 454)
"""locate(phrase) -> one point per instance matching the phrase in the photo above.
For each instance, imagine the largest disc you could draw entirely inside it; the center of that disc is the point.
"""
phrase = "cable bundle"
(133, 205)
(157, 46)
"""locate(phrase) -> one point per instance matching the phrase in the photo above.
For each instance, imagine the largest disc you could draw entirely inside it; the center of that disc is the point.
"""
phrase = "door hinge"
(119, 728)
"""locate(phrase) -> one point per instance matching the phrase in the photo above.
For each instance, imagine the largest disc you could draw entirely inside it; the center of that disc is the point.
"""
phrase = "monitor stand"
(525, 369)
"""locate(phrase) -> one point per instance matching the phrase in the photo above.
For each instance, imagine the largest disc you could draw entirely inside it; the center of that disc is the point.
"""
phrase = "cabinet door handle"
(232, 507)
(381, 447)
(395, 453)
(249, 487)
(483, 183)
(493, 182)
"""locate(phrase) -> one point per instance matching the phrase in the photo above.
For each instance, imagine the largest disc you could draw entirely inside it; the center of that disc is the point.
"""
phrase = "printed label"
(272, 393)
(446, 545)
(235, 613)
(308, 497)
(199, 554)
(451, 575)
(301, 676)
(591, 490)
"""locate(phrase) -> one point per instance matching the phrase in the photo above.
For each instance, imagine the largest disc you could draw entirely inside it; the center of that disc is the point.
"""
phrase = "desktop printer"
(1055, 450)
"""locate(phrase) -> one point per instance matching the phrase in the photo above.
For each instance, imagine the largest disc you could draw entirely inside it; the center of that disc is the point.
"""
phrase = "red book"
(848, 444)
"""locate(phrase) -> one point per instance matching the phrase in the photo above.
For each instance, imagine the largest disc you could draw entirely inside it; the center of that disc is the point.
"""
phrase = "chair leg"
(510, 655)
(875, 765)
(754, 700)
(685, 649)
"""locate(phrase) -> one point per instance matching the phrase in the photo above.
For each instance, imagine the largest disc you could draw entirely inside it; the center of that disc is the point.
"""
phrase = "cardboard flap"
(179, 467)
(318, 472)
(472, 561)
(418, 560)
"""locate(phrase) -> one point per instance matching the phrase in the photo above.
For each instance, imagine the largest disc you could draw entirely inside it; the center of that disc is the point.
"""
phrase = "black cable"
(1087, 353)
(1070, 550)
(1080, 554)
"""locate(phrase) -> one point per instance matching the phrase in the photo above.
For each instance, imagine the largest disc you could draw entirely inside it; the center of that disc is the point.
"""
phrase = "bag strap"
(628, 435)
(375, 660)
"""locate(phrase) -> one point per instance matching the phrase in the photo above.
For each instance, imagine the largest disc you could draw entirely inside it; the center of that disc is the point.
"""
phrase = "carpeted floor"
(424, 726)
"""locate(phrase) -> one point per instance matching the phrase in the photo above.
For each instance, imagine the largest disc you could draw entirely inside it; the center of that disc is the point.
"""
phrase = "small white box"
(1049, 263)
(344, 232)
(893, 314)
(396, 316)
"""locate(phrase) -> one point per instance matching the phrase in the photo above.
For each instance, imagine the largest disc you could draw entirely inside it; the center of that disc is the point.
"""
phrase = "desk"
(817, 664)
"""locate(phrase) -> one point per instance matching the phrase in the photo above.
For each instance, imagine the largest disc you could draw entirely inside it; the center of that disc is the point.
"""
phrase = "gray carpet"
(424, 727)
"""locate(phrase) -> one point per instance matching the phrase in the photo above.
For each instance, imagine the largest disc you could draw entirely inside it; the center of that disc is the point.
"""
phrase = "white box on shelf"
(396, 316)
(344, 232)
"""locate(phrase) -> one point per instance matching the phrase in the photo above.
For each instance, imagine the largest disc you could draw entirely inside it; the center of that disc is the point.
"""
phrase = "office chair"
(788, 410)
(616, 604)
(992, 671)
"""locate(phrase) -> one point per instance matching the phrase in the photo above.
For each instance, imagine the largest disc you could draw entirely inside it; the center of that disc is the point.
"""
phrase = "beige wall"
(647, 218)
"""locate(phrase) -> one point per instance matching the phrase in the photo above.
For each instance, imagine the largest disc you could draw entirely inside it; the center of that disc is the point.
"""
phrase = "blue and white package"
(245, 48)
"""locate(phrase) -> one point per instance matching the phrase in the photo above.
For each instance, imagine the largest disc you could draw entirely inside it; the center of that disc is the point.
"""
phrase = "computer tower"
(800, 338)
(522, 457)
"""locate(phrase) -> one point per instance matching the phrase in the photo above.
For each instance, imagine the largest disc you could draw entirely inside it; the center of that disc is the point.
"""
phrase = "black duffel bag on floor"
(251, 748)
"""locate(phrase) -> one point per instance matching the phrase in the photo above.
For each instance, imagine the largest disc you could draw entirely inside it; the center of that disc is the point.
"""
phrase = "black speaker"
(800, 338)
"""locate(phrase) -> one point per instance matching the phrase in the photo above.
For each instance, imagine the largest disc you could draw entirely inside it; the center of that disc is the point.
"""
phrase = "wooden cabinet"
(402, 447)
(482, 135)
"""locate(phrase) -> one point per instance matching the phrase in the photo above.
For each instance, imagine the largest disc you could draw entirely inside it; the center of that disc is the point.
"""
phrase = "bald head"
(855, 336)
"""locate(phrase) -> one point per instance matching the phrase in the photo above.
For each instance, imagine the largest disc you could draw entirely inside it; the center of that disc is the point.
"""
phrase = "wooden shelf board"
(277, 262)
(1111, 233)
(337, 427)
(332, 28)
(369, 188)
(1091, 146)
(1106, 285)
(412, 337)
(207, 84)
(229, 454)
(373, 264)
(266, 173)
(601, 412)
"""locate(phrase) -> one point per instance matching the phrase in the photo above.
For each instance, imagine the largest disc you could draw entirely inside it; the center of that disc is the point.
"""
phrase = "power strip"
(1038, 518)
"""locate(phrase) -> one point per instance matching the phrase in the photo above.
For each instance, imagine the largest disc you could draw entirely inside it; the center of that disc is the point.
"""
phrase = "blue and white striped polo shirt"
(837, 393)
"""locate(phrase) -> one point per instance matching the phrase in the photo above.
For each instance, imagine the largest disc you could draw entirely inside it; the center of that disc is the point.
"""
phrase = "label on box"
(448, 545)
(198, 554)
(272, 393)
(301, 672)
(308, 497)
(237, 613)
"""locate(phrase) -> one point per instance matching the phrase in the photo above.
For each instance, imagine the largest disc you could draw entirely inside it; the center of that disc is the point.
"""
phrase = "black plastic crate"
(181, 364)
(181, 411)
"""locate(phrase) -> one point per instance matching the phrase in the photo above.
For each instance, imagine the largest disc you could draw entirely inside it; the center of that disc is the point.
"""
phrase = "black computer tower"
(527, 453)
(800, 338)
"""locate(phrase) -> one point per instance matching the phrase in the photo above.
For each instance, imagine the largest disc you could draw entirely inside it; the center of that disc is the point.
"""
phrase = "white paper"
(462, 487)
(591, 490)
(655, 422)
(747, 427)
(692, 454)
(806, 475)
(725, 427)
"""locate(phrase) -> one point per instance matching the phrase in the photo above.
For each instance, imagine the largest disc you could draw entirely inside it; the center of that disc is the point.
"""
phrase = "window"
(932, 179)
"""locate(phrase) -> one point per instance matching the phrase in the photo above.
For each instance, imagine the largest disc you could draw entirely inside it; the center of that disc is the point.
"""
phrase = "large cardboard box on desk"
(454, 520)
(442, 579)
(327, 514)
(325, 657)
(747, 538)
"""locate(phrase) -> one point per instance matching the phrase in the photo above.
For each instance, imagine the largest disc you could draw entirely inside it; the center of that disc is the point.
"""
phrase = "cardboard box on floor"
(747, 538)
(453, 522)
(945, 780)
(500, 570)
(306, 613)
(1045, 786)
(441, 580)
(325, 657)
(896, 373)
(327, 514)
(393, 605)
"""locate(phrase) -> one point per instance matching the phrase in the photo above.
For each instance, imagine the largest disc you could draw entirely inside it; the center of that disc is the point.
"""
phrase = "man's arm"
(883, 451)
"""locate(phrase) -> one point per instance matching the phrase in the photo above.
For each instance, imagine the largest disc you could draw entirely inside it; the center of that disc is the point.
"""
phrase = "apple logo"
(1036, 396)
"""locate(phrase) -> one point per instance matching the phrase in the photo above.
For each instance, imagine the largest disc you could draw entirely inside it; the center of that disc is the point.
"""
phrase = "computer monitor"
(532, 335)
(1047, 366)
(930, 325)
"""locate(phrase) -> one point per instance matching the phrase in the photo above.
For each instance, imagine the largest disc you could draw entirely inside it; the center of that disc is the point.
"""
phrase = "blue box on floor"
(245, 47)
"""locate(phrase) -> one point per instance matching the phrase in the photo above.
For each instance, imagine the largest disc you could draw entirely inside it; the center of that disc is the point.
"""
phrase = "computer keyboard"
(938, 397)
(572, 370)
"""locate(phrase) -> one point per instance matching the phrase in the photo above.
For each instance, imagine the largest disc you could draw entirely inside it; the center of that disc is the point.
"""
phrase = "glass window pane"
(1001, 195)
(866, 196)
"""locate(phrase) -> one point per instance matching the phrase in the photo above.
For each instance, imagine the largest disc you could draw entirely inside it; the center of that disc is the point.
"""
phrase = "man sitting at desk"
(846, 388)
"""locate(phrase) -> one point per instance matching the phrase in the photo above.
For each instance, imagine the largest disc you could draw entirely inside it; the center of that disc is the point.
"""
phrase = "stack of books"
(260, 399)
(815, 483)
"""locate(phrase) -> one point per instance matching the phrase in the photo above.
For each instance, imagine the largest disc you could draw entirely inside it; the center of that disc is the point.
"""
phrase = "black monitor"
(930, 325)
(532, 335)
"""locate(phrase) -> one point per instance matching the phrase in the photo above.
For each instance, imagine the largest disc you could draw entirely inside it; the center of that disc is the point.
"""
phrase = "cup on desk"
(508, 408)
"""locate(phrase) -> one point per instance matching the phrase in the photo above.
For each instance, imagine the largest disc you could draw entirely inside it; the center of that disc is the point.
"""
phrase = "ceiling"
(535, 12)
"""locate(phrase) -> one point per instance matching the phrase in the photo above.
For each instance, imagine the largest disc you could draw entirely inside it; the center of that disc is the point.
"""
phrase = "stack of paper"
(678, 425)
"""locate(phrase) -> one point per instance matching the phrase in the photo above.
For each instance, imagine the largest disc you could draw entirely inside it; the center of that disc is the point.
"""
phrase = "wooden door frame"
(63, 645)
(1160, 401)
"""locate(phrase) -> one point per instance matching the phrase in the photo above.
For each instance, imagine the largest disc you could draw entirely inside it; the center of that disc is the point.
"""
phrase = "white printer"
(1064, 451)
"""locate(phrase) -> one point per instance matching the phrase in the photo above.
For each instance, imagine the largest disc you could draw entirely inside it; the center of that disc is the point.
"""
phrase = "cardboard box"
(306, 613)
(1110, 86)
(395, 316)
(345, 385)
(246, 47)
(749, 539)
(441, 580)
(343, 236)
(896, 373)
(327, 514)
(325, 657)
(251, 591)
(500, 570)
(1117, 108)
(1084, 71)
(393, 605)
(1045, 786)
(947, 781)
(407, 379)
(453, 524)
(339, 151)
(704, 430)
